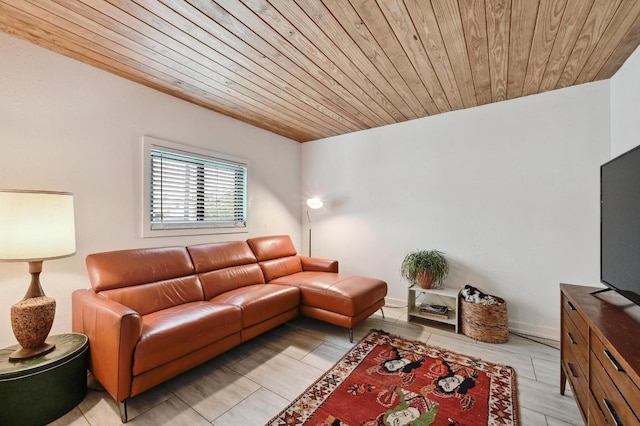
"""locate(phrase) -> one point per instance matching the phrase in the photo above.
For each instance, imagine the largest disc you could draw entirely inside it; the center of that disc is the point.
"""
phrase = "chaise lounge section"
(339, 299)
(154, 313)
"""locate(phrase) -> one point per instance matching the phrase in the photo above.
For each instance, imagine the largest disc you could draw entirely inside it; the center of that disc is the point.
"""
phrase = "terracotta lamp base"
(31, 320)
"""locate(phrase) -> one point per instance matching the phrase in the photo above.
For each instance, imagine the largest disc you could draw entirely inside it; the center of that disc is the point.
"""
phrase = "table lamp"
(35, 226)
(312, 203)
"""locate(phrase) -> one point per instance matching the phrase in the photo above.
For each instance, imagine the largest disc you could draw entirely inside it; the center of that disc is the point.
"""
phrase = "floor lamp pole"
(309, 220)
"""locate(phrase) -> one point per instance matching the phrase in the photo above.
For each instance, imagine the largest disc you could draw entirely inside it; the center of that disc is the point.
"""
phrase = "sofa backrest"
(276, 255)
(146, 280)
(225, 266)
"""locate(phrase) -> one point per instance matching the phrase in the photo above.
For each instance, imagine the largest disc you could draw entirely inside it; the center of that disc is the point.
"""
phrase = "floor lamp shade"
(312, 203)
(35, 226)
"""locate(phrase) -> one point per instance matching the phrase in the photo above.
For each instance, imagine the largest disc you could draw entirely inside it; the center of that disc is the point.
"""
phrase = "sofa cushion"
(272, 247)
(276, 268)
(318, 264)
(227, 279)
(152, 297)
(174, 332)
(126, 268)
(215, 256)
(225, 266)
(261, 302)
(343, 294)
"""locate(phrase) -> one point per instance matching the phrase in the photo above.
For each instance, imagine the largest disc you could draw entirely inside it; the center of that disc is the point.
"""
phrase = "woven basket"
(487, 323)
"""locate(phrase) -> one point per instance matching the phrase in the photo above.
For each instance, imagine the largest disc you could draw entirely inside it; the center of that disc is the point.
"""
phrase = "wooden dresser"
(600, 354)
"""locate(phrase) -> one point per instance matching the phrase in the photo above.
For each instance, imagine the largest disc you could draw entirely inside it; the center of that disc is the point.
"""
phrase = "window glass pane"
(195, 191)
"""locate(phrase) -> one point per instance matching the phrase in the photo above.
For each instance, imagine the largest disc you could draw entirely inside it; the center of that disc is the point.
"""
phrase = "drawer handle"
(573, 373)
(613, 361)
(573, 308)
(612, 412)
(571, 339)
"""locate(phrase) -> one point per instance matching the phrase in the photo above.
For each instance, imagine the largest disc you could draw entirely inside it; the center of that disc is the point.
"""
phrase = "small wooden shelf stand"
(441, 296)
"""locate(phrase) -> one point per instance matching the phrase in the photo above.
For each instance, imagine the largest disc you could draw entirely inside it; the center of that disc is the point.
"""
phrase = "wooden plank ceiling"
(308, 69)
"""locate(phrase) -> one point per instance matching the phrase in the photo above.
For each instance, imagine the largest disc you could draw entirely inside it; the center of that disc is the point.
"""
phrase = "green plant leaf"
(424, 260)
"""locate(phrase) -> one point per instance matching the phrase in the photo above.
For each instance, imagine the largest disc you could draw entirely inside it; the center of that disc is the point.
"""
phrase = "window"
(193, 191)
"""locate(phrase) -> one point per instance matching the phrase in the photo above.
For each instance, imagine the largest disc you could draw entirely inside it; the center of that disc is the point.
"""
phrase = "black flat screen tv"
(620, 224)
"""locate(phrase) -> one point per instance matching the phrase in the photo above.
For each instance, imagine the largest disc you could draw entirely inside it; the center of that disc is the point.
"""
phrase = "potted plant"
(427, 268)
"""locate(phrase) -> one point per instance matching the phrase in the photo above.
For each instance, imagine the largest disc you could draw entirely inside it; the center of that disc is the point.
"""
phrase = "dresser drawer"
(607, 396)
(615, 371)
(573, 339)
(578, 380)
(572, 312)
(596, 418)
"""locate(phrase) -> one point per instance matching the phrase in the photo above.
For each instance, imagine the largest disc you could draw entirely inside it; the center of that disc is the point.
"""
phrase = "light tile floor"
(251, 383)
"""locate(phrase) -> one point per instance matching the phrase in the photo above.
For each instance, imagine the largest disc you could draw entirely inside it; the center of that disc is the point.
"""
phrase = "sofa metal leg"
(382, 311)
(351, 335)
(123, 411)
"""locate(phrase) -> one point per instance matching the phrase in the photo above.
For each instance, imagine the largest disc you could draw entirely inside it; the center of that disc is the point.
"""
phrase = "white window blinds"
(189, 190)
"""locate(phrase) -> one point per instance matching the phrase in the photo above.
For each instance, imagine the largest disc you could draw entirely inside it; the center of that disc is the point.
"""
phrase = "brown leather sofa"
(154, 313)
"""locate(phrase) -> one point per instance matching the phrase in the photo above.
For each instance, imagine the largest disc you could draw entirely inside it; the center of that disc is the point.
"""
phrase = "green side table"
(38, 390)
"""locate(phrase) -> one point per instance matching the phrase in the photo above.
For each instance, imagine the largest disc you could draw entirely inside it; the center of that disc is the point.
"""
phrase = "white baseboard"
(390, 302)
(550, 333)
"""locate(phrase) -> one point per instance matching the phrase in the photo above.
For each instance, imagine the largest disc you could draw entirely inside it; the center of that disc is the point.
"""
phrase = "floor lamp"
(35, 226)
(312, 203)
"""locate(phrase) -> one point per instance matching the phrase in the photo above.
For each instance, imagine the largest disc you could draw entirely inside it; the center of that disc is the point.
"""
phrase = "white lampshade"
(36, 225)
(314, 203)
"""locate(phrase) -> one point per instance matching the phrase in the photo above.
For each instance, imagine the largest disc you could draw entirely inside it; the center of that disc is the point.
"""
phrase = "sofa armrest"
(318, 265)
(113, 331)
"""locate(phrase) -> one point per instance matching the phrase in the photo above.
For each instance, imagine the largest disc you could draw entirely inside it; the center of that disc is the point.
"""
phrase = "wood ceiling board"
(498, 25)
(443, 91)
(228, 42)
(622, 52)
(523, 24)
(599, 17)
(447, 16)
(548, 22)
(349, 84)
(375, 20)
(474, 21)
(288, 77)
(344, 13)
(565, 41)
(334, 37)
(620, 25)
(281, 51)
(424, 20)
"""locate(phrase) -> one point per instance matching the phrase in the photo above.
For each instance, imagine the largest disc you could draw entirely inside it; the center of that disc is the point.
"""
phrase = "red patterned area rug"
(387, 380)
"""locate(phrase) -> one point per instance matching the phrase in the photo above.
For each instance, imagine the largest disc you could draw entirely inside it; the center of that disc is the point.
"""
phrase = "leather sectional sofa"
(154, 313)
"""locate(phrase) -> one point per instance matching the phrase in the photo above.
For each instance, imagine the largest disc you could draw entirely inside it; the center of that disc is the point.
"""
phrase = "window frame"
(193, 228)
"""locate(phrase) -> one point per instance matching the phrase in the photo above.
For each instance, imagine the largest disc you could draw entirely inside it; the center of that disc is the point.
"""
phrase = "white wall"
(625, 106)
(69, 127)
(509, 191)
